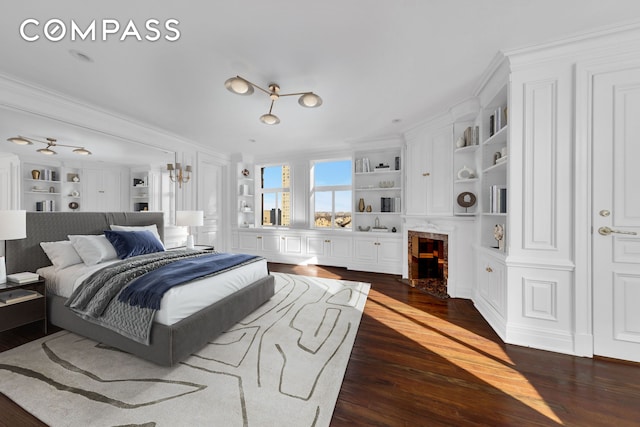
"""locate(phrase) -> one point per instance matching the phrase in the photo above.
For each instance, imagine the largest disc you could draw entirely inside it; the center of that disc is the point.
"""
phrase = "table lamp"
(13, 225)
(190, 219)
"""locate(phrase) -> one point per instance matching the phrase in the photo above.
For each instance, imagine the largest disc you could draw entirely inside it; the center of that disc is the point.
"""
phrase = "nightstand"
(24, 312)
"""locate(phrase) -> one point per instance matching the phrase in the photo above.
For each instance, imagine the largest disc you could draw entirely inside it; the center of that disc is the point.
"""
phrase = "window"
(331, 199)
(275, 195)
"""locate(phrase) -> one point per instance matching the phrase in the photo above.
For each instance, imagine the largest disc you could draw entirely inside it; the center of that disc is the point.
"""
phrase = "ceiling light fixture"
(51, 142)
(241, 86)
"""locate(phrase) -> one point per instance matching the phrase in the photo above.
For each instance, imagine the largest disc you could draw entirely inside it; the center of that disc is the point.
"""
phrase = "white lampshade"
(13, 225)
(190, 218)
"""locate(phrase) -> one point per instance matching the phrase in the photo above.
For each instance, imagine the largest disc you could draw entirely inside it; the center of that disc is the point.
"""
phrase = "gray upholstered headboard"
(27, 255)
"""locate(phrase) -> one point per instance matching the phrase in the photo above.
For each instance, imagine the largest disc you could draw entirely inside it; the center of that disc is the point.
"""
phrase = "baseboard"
(541, 339)
(492, 317)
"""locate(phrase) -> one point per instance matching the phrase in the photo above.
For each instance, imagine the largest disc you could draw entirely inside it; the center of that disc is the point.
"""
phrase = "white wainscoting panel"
(626, 294)
(540, 299)
(540, 166)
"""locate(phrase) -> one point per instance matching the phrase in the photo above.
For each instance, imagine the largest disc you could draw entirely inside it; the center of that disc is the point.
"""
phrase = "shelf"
(379, 189)
(245, 195)
(42, 180)
(498, 137)
(495, 167)
(465, 181)
(465, 214)
(494, 213)
(42, 192)
(380, 172)
(377, 213)
(467, 149)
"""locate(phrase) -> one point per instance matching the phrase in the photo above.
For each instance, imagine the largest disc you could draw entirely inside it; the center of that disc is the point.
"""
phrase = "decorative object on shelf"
(35, 174)
(13, 226)
(74, 205)
(466, 173)
(460, 142)
(496, 156)
(361, 205)
(393, 230)
(498, 234)
(382, 167)
(503, 152)
(138, 182)
(190, 219)
(386, 184)
(75, 193)
(369, 208)
(397, 163)
(51, 142)
(52, 189)
(242, 86)
(365, 228)
(466, 199)
(179, 177)
(75, 178)
(245, 173)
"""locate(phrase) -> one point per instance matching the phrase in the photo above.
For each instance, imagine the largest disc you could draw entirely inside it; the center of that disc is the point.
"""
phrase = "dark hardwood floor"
(422, 361)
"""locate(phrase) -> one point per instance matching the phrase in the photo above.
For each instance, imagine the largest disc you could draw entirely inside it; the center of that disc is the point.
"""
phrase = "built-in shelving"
(378, 183)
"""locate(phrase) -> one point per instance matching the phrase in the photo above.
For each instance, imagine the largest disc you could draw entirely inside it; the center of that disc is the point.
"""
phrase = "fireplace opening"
(428, 262)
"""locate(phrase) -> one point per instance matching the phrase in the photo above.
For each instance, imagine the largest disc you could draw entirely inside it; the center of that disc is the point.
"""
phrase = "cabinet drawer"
(21, 313)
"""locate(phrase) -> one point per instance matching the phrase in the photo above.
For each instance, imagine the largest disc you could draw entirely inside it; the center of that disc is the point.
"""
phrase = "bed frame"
(169, 344)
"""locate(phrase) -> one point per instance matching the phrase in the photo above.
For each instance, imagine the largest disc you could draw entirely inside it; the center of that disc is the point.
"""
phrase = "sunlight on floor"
(495, 368)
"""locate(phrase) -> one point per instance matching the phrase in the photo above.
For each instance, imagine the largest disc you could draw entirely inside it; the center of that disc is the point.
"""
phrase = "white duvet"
(180, 301)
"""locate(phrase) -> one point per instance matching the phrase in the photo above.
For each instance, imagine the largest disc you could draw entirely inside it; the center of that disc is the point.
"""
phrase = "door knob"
(605, 231)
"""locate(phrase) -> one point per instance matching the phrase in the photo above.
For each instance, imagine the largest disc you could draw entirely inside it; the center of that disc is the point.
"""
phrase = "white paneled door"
(616, 214)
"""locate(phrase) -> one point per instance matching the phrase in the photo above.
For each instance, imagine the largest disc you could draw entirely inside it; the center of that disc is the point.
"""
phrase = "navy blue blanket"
(147, 290)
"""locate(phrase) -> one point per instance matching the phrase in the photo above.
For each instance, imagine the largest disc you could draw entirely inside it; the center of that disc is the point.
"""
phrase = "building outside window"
(331, 194)
(276, 195)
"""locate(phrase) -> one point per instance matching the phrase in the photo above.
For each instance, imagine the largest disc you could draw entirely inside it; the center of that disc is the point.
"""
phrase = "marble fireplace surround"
(434, 285)
(445, 231)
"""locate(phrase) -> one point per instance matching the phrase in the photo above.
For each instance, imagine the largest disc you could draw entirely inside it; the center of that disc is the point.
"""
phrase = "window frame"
(261, 191)
(313, 189)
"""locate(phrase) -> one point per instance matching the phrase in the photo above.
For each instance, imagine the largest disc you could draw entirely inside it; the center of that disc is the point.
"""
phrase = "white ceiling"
(372, 61)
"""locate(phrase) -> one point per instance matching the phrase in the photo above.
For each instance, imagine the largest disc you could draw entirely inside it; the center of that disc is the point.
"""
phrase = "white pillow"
(62, 254)
(152, 228)
(93, 249)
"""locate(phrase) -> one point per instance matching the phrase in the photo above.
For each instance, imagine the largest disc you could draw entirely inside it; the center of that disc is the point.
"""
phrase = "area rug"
(282, 365)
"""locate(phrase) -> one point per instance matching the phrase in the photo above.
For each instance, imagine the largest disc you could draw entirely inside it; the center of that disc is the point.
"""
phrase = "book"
(18, 295)
(24, 277)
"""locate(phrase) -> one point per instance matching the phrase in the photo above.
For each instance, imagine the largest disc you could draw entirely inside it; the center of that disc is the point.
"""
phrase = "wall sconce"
(179, 177)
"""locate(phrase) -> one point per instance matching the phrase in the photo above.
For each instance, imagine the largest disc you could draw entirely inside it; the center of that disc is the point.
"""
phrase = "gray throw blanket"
(95, 300)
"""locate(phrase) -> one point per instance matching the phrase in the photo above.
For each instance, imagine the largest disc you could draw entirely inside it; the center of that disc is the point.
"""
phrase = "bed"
(169, 343)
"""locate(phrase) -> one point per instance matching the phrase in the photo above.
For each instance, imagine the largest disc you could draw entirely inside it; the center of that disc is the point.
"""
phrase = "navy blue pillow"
(132, 243)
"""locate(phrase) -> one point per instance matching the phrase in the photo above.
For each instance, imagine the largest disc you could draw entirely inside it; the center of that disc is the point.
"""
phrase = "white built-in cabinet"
(429, 171)
(376, 253)
(102, 190)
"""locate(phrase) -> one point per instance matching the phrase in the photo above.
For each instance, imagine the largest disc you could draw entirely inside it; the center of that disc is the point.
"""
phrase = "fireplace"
(429, 262)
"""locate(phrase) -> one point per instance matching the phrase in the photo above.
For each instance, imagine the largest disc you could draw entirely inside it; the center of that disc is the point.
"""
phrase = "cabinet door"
(365, 249)
(429, 173)
(9, 182)
(390, 251)
(270, 243)
(440, 165)
(92, 185)
(291, 245)
(340, 247)
(492, 283)
(416, 170)
(248, 241)
(111, 193)
(315, 246)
